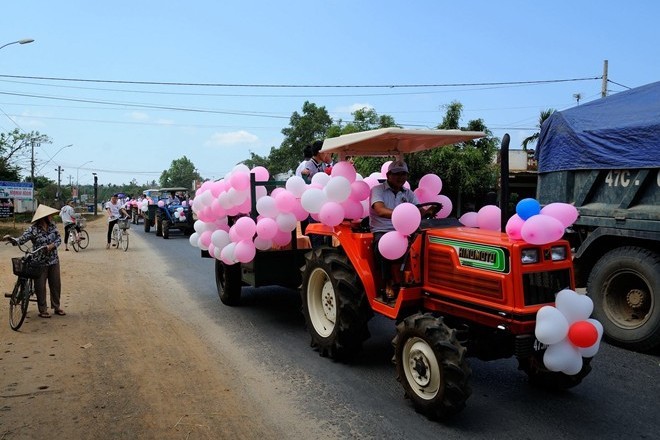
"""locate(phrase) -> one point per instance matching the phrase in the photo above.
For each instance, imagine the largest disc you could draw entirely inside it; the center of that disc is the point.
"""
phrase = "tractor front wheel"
(166, 229)
(431, 366)
(334, 304)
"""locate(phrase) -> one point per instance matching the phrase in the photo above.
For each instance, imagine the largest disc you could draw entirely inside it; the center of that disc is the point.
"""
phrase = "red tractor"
(466, 292)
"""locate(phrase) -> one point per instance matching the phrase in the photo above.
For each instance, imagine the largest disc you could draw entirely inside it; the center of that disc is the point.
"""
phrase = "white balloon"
(320, 179)
(220, 239)
(551, 325)
(266, 207)
(241, 168)
(563, 357)
(261, 244)
(227, 254)
(296, 186)
(286, 221)
(574, 306)
(200, 226)
(337, 189)
(194, 239)
(312, 200)
(588, 352)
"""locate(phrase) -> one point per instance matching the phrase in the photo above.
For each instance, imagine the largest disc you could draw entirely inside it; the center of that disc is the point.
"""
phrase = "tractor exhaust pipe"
(504, 180)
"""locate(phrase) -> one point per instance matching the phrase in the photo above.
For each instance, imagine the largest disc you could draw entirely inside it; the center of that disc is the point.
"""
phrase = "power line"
(293, 86)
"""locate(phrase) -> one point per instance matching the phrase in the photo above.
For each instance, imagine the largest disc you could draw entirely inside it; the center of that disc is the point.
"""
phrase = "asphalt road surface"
(620, 399)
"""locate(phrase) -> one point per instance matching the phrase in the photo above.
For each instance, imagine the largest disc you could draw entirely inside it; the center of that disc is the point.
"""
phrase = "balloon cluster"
(531, 223)
(538, 225)
(568, 332)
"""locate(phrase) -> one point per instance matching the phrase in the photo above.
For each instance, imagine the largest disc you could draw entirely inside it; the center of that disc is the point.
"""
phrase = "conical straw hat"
(43, 211)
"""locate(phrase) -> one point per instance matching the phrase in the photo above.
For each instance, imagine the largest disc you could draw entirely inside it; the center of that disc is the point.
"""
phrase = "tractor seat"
(362, 226)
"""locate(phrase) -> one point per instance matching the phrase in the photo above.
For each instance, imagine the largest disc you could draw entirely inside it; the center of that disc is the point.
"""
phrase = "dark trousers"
(110, 226)
(384, 265)
(50, 275)
(67, 228)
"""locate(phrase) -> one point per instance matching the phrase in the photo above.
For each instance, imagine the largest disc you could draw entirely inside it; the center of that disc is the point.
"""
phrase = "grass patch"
(15, 227)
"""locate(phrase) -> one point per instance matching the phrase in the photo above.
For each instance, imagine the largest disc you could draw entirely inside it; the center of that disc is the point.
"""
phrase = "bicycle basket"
(123, 224)
(81, 223)
(25, 269)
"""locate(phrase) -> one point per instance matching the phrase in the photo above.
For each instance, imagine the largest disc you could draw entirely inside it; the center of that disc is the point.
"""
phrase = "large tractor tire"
(625, 287)
(431, 366)
(228, 282)
(335, 306)
(540, 376)
(165, 229)
(159, 226)
(147, 223)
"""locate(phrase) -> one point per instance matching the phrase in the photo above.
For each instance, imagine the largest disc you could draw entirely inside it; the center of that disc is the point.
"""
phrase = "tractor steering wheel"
(433, 209)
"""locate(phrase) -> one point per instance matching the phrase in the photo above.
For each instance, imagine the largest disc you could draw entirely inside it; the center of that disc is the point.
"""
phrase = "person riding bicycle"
(69, 218)
(43, 232)
(114, 208)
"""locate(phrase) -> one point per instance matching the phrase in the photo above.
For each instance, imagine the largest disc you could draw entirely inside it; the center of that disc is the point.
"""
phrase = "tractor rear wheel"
(159, 226)
(334, 304)
(431, 366)
(228, 282)
(147, 223)
(166, 229)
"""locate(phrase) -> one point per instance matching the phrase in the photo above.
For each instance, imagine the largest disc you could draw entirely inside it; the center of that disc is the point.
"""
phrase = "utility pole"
(96, 193)
(603, 89)
(59, 170)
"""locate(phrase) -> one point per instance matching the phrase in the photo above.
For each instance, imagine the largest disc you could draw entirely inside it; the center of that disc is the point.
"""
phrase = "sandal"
(59, 312)
(44, 315)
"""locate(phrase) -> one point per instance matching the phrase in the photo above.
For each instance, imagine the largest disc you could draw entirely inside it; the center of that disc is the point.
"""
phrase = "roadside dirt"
(119, 364)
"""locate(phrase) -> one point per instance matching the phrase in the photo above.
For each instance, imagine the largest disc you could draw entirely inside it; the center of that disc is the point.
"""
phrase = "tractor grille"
(541, 287)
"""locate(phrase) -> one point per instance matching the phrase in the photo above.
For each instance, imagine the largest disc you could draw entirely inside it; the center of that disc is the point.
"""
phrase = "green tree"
(15, 146)
(181, 173)
(545, 114)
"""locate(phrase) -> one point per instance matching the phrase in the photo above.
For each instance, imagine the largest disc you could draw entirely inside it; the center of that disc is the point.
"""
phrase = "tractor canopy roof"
(395, 141)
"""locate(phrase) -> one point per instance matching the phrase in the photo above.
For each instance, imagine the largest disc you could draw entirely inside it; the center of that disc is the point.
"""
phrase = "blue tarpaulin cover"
(616, 132)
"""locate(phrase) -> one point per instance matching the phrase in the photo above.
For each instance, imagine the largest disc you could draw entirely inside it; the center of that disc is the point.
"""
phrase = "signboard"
(6, 208)
(16, 190)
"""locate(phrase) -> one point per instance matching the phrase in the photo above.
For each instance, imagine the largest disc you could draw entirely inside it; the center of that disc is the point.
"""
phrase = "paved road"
(620, 399)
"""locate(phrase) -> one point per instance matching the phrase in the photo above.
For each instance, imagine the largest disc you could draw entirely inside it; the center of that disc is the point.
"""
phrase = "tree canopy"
(182, 173)
(15, 148)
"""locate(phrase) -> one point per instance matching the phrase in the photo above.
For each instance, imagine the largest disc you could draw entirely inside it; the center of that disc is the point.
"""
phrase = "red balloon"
(583, 334)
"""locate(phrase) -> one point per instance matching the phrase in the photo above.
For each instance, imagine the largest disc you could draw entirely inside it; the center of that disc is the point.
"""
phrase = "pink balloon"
(564, 212)
(240, 180)
(393, 245)
(422, 195)
(244, 251)
(282, 238)
(360, 190)
(227, 254)
(406, 218)
(469, 219)
(489, 218)
(205, 240)
(331, 213)
(431, 183)
(216, 209)
(447, 206)
(371, 181)
(284, 201)
(266, 228)
(212, 249)
(161, 203)
(384, 167)
(542, 229)
(245, 228)
(514, 226)
(344, 169)
(352, 209)
(217, 188)
(299, 211)
(260, 174)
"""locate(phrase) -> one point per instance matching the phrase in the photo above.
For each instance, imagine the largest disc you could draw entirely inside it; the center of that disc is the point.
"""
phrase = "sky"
(123, 88)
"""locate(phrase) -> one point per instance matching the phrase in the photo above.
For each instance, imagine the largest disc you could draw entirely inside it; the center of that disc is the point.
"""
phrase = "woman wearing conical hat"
(43, 232)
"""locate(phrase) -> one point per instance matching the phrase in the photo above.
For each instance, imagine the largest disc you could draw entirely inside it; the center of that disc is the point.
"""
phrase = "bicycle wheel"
(124, 241)
(72, 240)
(84, 239)
(115, 236)
(18, 303)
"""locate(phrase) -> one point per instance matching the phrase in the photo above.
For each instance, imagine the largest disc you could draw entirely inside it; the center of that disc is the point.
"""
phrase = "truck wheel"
(541, 377)
(625, 287)
(431, 366)
(334, 304)
(165, 229)
(228, 282)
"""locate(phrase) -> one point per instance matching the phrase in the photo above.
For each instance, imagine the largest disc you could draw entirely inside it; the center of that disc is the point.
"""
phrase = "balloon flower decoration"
(538, 225)
(568, 332)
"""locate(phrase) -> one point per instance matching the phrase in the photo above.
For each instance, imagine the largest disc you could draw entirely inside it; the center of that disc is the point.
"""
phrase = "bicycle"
(120, 233)
(26, 271)
(79, 240)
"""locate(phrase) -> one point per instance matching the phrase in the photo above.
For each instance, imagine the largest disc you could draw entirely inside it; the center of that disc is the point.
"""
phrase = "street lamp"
(78, 169)
(23, 41)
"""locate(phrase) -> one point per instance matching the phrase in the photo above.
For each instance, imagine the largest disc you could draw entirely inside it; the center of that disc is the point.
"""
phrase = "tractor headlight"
(529, 256)
(558, 253)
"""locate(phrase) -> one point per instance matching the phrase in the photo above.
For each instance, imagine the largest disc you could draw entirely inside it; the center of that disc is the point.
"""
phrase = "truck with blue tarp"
(604, 157)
